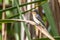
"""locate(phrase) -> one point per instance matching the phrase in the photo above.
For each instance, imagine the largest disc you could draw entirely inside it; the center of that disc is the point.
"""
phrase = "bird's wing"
(40, 19)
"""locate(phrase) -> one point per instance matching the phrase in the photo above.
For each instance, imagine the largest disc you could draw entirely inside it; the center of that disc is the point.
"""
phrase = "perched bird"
(37, 19)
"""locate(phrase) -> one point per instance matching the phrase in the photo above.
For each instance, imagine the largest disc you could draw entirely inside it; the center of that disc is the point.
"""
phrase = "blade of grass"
(0, 36)
(26, 29)
(16, 25)
(22, 13)
(4, 30)
(19, 11)
(50, 18)
(20, 17)
(19, 6)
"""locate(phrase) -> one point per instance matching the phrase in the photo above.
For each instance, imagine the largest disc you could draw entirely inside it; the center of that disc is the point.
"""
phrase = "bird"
(37, 19)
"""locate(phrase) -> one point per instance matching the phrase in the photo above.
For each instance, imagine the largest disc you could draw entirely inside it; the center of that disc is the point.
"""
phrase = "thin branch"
(22, 12)
(19, 6)
(3, 24)
(44, 31)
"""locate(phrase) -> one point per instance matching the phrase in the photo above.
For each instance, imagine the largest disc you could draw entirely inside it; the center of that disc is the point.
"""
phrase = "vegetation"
(16, 22)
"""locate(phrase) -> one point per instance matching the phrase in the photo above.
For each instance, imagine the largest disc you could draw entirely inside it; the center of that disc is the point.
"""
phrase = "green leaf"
(16, 15)
(50, 18)
(0, 36)
(0, 1)
(7, 21)
(19, 6)
(27, 31)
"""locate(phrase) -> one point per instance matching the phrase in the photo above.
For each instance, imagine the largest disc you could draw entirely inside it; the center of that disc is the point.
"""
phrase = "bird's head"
(34, 13)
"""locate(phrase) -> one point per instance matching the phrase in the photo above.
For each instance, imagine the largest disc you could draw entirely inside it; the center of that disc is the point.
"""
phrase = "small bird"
(37, 19)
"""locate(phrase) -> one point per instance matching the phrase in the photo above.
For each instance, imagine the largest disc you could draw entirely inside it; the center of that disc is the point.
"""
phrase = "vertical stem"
(50, 18)
(55, 7)
(41, 15)
(3, 24)
(28, 17)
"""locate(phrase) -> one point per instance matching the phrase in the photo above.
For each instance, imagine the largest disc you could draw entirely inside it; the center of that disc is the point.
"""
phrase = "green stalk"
(27, 32)
(19, 6)
(50, 18)
(26, 29)
(22, 13)
(16, 25)
(20, 17)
